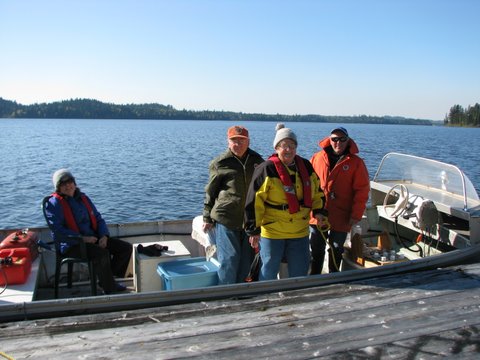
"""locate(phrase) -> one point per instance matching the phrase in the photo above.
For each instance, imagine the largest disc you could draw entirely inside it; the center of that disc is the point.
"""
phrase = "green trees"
(458, 116)
(94, 109)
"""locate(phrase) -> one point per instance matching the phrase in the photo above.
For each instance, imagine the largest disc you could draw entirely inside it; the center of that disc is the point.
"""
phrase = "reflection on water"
(137, 170)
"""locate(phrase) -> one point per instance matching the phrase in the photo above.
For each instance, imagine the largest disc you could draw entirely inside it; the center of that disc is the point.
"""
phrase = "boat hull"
(109, 303)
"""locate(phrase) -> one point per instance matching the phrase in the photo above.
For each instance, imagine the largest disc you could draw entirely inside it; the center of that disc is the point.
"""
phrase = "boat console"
(427, 197)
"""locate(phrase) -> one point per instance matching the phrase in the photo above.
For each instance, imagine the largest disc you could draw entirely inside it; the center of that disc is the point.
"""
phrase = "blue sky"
(412, 58)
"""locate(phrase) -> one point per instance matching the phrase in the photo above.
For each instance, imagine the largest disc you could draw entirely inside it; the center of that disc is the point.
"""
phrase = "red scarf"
(293, 203)
(67, 212)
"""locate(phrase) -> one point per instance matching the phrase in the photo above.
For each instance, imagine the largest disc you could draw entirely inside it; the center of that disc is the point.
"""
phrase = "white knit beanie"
(61, 175)
(283, 133)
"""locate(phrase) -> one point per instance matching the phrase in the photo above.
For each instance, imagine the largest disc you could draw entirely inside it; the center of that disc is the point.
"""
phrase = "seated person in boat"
(225, 193)
(345, 181)
(283, 192)
(72, 215)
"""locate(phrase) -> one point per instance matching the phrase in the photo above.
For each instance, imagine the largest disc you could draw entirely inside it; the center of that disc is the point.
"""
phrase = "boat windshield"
(429, 174)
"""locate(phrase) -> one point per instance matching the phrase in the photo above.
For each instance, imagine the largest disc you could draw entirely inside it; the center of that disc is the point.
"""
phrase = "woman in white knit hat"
(283, 192)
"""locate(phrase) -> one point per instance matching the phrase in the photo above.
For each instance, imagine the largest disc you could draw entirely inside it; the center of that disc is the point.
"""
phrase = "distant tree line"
(458, 116)
(94, 109)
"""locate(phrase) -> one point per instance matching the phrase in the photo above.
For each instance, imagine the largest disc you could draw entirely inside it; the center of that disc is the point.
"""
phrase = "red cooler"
(22, 239)
(15, 266)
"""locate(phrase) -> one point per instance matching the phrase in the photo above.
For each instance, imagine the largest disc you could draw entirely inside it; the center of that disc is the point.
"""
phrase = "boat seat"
(61, 259)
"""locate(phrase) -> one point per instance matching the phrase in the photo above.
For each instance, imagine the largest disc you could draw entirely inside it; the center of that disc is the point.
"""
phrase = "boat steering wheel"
(401, 205)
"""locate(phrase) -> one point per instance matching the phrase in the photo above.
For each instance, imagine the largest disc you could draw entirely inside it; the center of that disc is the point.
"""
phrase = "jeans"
(336, 239)
(234, 254)
(296, 252)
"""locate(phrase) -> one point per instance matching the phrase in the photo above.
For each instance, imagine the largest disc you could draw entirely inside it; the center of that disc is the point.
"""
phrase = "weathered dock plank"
(418, 315)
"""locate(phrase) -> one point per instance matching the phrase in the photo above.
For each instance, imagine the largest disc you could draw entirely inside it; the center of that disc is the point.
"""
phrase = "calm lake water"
(138, 170)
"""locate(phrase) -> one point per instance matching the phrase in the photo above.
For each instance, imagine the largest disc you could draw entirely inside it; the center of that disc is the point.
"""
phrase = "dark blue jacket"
(61, 232)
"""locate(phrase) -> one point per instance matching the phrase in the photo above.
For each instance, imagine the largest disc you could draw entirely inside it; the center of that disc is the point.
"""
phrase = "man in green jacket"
(229, 177)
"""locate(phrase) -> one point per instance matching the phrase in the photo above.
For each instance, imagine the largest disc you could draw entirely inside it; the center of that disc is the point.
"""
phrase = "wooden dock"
(424, 315)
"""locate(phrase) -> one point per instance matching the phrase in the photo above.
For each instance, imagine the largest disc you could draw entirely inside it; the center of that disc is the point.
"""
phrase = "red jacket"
(346, 187)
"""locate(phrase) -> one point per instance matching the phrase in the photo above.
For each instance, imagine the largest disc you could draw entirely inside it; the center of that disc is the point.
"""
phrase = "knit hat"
(61, 175)
(342, 129)
(283, 133)
(237, 131)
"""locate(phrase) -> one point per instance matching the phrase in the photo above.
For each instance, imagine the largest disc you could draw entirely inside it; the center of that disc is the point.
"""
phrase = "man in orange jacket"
(346, 184)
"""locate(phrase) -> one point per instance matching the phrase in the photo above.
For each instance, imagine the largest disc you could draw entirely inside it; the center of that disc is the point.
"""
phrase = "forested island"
(458, 116)
(94, 109)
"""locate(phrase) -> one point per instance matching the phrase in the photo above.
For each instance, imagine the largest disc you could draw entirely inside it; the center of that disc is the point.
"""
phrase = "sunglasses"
(337, 139)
